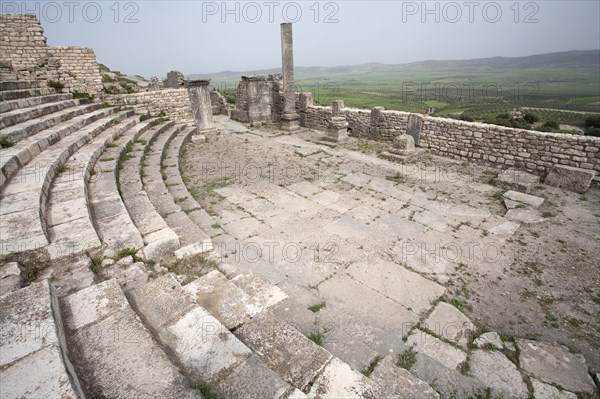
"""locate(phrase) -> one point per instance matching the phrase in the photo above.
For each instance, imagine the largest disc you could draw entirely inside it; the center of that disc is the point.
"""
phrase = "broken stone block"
(513, 198)
(402, 143)
(570, 178)
(517, 179)
(525, 216)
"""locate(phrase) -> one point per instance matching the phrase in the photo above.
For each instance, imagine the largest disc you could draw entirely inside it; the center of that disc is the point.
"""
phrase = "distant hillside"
(564, 59)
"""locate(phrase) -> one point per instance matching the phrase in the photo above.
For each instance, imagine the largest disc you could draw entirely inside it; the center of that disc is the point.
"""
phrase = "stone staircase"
(83, 185)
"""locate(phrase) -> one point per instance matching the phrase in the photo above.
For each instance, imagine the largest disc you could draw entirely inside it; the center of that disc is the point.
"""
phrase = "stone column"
(289, 117)
(201, 104)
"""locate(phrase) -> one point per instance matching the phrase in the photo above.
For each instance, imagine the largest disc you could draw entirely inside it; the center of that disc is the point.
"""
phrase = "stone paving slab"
(407, 288)
(399, 383)
(352, 331)
(499, 373)
(340, 381)
(555, 364)
(446, 354)
(546, 391)
(449, 323)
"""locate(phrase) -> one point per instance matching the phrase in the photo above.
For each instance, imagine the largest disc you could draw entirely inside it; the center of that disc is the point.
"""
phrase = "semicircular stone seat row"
(77, 177)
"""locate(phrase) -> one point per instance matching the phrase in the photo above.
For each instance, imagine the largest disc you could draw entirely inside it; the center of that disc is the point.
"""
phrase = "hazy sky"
(152, 37)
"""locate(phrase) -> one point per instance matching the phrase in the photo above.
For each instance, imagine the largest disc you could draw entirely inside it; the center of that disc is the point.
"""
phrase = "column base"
(289, 123)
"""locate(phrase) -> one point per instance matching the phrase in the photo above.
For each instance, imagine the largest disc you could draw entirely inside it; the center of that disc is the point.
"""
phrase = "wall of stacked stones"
(526, 149)
(23, 44)
(218, 103)
(24, 47)
(175, 103)
(501, 146)
(77, 69)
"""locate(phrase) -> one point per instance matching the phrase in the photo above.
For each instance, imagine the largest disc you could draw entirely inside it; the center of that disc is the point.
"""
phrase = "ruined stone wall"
(76, 68)
(533, 151)
(23, 44)
(175, 103)
(24, 47)
(501, 146)
(219, 103)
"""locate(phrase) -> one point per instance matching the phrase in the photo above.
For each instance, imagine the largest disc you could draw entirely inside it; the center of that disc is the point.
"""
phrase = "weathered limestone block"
(337, 130)
(517, 179)
(570, 178)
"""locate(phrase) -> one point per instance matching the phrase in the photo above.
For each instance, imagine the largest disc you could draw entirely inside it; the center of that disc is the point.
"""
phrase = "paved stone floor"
(370, 244)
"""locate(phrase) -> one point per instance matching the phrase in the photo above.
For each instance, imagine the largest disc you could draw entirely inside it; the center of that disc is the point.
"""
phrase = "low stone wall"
(76, 68)
(533, 151)
(501, 146)
(175, 103)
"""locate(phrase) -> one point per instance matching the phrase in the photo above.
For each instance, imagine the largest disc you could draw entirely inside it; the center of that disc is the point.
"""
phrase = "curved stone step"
(112, 351)
(113, 224)
(176, 186)
(159, 239)
(156, 168)
(27, 128)
(228, 302)
(23, 201)
(33, 355)
(22, 84)
(17, 116)
(13, 105)
(205, 348)
(12, 159)
(69, 209)
(25, 93)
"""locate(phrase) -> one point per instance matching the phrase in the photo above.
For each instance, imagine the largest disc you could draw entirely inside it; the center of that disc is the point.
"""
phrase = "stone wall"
(533, 151)
(24, 47)
(175, 103)
(219, 103)
(23, 44)
(76, 68)
(501, 146)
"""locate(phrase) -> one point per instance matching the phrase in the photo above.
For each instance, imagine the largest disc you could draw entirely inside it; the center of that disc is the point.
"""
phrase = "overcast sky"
(150, 38)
